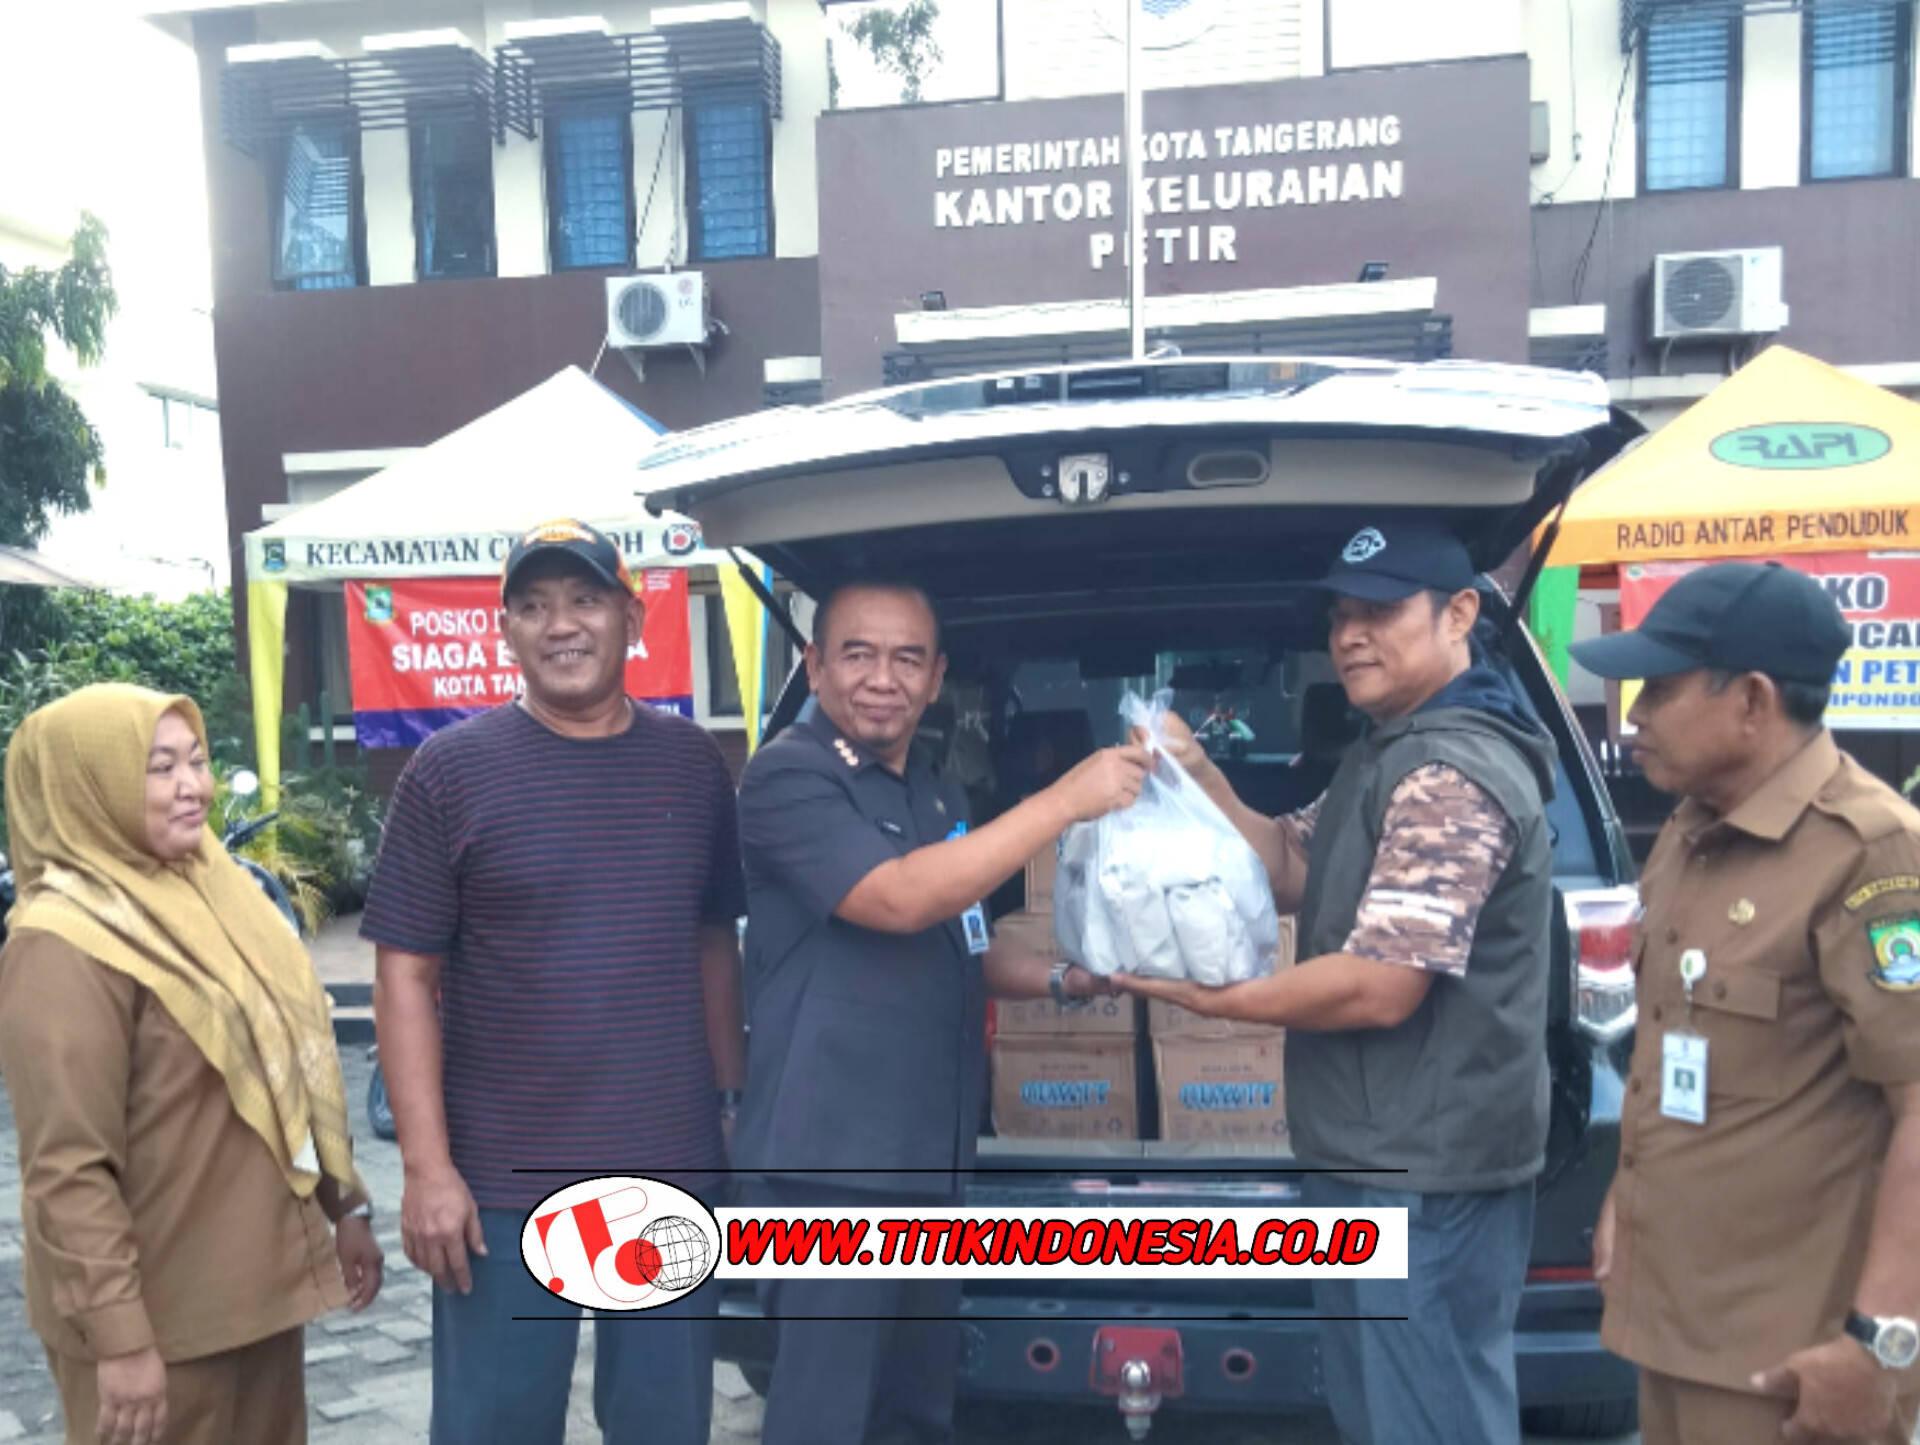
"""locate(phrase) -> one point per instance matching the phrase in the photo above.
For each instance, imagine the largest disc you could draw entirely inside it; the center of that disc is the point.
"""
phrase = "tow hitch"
(1140, 1368)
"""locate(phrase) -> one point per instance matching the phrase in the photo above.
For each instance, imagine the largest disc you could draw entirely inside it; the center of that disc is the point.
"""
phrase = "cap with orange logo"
(595, 550)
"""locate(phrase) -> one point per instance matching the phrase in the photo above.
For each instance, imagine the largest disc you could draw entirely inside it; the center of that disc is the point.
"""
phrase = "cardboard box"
(1077, 1087)
(1041, 868)
(1226, 1091)
(1112, 1015)
(1168, 1020)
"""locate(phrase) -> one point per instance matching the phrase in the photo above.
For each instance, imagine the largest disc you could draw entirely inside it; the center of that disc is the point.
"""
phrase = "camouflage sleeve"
(1301, 820)
(1443, 844)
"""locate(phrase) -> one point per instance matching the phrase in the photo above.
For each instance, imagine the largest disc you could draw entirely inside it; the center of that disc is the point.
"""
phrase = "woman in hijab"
(187, 1178)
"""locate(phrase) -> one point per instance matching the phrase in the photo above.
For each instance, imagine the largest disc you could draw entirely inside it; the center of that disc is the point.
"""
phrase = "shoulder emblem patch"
(1879, 888)
(1896, 953)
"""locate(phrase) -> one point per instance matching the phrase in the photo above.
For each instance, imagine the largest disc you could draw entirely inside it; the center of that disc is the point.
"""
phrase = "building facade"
(416, 206)
(416, 209)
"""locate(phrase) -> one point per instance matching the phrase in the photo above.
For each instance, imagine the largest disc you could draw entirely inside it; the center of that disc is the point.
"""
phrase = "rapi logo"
(620, 1243)
(1802, 447)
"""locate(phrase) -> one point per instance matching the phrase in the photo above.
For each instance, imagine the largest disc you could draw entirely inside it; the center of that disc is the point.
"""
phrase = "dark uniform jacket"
(866, 1061)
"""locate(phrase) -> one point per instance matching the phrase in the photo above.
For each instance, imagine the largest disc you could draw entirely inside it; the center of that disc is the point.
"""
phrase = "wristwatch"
(1057, 986)
(730, 1100)
(1892, 1340)
(362, 1210)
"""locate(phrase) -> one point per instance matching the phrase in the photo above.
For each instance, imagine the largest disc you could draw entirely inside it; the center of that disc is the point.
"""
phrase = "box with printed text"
(1222, 1090)
(1075, 1087)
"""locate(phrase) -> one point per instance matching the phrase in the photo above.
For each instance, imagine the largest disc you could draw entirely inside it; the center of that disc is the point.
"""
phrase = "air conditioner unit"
(1717, 293)
(644, 312)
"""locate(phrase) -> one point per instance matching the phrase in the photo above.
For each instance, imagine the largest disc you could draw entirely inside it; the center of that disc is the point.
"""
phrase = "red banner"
(1877, 685)
(428, 653)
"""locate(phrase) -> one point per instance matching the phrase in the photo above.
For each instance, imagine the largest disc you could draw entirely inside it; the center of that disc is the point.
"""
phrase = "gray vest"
(1457, 1094)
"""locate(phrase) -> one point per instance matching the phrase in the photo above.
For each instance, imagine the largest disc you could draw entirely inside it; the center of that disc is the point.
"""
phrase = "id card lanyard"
(1683, 1054)
(973, 923)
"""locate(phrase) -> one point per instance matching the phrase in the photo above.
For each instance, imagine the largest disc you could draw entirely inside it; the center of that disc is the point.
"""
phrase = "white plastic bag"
(1167, 888)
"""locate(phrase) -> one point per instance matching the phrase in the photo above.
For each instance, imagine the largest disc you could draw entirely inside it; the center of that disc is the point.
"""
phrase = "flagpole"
(1135, 244)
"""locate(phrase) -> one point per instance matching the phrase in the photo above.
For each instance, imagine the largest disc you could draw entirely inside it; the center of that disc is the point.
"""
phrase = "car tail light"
(1561, 1274)
(1600, 924)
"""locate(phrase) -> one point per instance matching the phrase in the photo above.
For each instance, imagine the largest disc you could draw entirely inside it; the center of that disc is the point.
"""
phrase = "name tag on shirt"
(973, 923)
(1683, 1077)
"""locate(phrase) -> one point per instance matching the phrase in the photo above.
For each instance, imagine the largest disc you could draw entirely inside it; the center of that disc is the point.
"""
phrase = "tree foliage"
(48, 451)
(901, 42)
(184, 646)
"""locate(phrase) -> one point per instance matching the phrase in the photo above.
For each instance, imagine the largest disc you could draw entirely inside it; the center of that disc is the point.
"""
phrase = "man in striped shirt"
(554, 910)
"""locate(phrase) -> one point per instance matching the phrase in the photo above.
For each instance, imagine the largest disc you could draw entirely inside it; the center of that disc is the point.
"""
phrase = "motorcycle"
(237, 830)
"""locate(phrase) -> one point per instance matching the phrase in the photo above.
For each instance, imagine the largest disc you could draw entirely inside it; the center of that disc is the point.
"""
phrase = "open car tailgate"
(1208, 459)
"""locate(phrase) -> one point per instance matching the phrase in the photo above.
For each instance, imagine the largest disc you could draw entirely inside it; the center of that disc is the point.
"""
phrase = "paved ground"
(368, 1377)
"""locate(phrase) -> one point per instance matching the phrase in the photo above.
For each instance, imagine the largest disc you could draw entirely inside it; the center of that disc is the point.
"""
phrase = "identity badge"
(974, 923)
(1683, 1077)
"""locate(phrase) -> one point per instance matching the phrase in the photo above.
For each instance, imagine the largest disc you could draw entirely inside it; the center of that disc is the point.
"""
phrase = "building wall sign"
(1287, 183)
(1195, 184)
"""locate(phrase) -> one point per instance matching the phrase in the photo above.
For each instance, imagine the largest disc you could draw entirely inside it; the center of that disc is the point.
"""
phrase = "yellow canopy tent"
(1787, 455)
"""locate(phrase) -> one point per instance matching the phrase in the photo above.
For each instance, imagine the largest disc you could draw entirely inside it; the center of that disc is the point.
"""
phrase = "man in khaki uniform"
(1760, 1247)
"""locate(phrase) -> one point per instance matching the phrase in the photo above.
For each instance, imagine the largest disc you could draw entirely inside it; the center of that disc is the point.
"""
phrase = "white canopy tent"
(566, 448)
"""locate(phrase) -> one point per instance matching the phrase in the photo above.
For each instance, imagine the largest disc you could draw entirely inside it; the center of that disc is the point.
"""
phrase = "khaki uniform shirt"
(1740, 1241)
(153, 1214)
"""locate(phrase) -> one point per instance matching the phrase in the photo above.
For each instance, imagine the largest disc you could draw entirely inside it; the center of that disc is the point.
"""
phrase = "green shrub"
(184, 647)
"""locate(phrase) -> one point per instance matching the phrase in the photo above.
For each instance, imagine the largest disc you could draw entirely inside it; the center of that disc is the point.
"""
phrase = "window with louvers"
(317, 242)
(1857, 84)
(730, 181)
(1687, 77)
(590, 187)
(453, 196)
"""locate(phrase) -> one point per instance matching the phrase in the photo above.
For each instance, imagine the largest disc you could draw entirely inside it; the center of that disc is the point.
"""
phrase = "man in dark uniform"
(869, 961)
(1416, 1025)
(1760, 1246)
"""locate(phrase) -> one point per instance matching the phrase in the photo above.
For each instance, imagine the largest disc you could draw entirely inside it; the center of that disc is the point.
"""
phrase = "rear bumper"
(1027, 1348)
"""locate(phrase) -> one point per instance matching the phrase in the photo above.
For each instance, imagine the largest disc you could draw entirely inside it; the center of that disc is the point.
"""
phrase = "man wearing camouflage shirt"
(1417, 1020)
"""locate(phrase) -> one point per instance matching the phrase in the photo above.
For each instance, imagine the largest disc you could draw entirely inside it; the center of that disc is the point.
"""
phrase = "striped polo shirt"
(565, 882)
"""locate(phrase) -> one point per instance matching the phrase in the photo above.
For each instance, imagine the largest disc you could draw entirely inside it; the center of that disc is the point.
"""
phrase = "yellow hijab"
(199, 933)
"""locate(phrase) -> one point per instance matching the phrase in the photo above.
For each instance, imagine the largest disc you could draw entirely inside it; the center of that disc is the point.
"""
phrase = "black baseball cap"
(1396, 559)
(592, 547)
(1731, 617)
